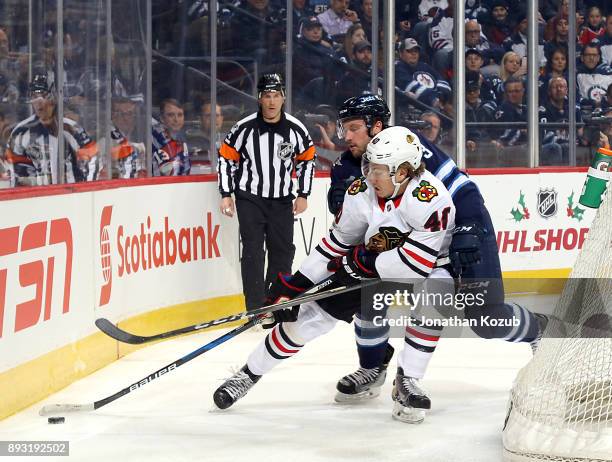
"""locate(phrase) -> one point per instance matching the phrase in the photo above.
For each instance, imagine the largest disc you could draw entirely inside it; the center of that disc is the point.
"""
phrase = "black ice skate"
(410, 401)
(235, 388)
(542, 323)
(363, 383)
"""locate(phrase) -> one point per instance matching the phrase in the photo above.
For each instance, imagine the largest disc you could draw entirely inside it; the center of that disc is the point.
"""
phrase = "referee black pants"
(268, 221)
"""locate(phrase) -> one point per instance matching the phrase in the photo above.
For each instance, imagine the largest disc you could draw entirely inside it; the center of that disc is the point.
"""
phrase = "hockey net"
(560, 406)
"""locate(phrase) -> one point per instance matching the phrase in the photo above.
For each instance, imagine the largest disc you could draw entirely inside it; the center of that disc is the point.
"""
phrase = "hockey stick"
(61, 408)
(313, 294)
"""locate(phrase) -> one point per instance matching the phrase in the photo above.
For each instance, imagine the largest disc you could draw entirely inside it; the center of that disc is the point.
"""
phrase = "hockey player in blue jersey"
(473, 250)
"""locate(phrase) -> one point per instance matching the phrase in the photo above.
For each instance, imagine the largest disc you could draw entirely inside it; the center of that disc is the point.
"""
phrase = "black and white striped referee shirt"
(257, 157)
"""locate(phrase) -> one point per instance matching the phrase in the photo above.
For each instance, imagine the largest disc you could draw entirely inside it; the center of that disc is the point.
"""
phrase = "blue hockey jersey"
(466, 195)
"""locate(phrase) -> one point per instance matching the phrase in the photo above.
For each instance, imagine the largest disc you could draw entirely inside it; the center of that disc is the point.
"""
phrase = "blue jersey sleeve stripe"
(459, 182)
(441, 167)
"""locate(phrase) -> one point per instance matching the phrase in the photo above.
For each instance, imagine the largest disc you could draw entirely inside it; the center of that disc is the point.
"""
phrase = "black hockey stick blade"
(123, 336)
(54, 409)
(317, 293)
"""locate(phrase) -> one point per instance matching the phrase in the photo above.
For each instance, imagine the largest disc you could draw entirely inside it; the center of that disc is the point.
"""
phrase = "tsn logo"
(30, 261)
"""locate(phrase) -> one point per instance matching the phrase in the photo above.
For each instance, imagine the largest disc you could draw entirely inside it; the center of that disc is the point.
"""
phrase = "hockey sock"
(371, 342)
(287, 338)
(527, 326)
(276, 346)
(419, 344)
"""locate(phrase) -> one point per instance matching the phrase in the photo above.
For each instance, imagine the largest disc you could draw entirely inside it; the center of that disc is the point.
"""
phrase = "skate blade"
(343, 398)
(409, 415)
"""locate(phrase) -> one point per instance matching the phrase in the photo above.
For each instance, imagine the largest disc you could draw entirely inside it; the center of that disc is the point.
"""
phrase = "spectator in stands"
(258, 31)
(441, 40)
(127, 149)
(32, 148)
(337, 19)
(356, 80)
(312, 55)
(429, 8)
(8, 91)
(512, 110)
(365, 17)
(301, 10)
(432, 130)
(170, 152)
(172, 115)
(491, 54)
(556, 66)
(199, 142)
(592, 76)
(416, 78)
(354, 34)
(511, 66)
(594, 27)
(606, 42)
(476, 110)
(9, 65)
(563, 11)
(517, 42)
(489, 84)
(606, 103)
(555, 141)
(559, 35)
(497, 26)
(327, 135)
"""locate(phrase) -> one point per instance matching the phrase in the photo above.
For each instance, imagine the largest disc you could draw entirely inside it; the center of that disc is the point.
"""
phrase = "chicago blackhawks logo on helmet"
(425, 192)
(357, 186)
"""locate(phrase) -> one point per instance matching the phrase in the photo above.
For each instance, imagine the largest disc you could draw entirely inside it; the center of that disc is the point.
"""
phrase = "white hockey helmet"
(393, 147)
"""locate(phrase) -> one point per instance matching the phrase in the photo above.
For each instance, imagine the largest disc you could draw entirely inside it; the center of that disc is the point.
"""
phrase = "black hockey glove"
(285, 287)
(465, 247)
(356, 265)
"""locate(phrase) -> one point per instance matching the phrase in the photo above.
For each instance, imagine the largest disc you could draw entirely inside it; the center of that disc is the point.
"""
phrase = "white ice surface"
(289, 415)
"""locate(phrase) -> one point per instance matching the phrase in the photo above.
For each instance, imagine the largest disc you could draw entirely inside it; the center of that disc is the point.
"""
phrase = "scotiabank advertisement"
(537, 217)
(159, 246)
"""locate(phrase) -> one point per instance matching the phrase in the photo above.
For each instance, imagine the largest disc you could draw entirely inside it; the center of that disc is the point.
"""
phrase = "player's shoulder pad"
(357, 186)
(423, 197)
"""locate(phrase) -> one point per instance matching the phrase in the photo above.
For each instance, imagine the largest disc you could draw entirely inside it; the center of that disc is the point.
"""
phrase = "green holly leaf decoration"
(517, 215)
(578, 212)
(522, 200)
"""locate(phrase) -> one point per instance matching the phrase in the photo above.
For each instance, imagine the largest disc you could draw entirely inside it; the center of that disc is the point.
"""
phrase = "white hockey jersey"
(411, 233)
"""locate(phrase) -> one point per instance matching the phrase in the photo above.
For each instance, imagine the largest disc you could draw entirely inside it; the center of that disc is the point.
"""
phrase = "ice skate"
(363, 384)
(235, 388)
(410, 401)
(542, 323)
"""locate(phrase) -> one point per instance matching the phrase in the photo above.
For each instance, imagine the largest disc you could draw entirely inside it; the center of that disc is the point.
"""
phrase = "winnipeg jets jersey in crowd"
(410, 232)
(32, 153)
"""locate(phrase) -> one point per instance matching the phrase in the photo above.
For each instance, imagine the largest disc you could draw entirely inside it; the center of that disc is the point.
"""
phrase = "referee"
(256, 161)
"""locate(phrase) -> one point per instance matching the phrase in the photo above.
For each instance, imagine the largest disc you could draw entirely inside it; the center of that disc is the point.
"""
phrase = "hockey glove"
(465, 247)
(358, 264)
(285, 287)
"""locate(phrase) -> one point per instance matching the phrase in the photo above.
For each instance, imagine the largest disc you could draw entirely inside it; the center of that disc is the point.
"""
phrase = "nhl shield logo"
(547, 202)
(285, 150)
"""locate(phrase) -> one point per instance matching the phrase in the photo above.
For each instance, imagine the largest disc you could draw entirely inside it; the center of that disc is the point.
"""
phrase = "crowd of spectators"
(332, 59)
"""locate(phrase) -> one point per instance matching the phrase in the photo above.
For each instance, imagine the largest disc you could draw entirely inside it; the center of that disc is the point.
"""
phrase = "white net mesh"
(561, 402)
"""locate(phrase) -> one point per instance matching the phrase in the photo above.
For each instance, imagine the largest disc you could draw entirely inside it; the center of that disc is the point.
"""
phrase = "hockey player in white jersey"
(394, 224)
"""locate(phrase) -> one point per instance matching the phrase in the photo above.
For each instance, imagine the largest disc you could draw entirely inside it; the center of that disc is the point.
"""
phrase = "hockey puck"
(56, 420)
